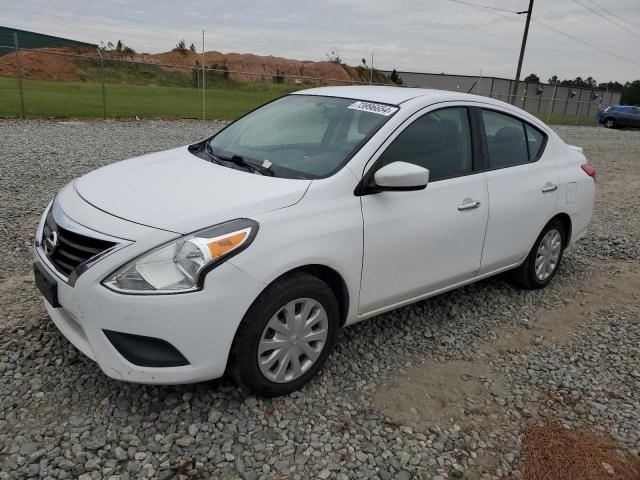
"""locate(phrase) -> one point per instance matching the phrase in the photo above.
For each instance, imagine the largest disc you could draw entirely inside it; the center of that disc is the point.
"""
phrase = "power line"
(484, 7)
(607, 18)
(613, 14)
(90, 15)
(548, 27)
(592, 45)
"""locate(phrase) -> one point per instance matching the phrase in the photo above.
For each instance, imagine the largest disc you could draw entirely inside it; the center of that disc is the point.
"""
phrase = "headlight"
(180, 266)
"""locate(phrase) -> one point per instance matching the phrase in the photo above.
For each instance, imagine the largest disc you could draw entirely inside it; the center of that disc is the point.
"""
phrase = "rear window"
(535, 140)
(511, 141)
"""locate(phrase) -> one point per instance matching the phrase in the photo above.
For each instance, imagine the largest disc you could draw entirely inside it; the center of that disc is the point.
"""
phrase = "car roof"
(393, 95)
(371, 93)
(398, 95)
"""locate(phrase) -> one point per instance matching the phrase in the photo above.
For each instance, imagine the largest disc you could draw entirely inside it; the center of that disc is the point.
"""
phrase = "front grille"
(67, 250)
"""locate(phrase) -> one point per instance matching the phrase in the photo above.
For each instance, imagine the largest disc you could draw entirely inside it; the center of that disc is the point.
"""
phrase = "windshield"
(302, 136)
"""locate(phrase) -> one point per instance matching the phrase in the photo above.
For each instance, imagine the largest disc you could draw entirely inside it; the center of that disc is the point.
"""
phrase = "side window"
(535, 139)
(506, 140)
(439, 141)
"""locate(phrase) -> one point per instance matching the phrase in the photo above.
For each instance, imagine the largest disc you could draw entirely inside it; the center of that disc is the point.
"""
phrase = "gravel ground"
(440, 389)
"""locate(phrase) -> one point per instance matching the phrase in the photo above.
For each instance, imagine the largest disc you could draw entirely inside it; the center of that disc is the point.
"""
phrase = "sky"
(441, 36)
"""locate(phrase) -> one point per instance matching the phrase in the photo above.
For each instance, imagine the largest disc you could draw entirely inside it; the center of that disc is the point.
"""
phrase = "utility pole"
(371, 78)
(19, 73)
(514, 93)
(104, 94)
(204, 75)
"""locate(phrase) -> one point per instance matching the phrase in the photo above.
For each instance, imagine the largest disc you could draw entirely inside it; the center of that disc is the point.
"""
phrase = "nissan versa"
(247, 251)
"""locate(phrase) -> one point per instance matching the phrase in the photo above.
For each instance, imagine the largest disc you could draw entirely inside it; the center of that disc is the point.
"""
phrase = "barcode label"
(378, 108)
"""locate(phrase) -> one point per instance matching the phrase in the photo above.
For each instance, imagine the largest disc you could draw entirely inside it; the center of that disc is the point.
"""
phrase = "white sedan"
(245, 252)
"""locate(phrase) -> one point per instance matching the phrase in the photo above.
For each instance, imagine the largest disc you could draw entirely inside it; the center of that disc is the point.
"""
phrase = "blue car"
(619, 116)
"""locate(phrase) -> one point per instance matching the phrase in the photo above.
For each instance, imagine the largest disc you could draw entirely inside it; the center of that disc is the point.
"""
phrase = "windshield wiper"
(240, 161)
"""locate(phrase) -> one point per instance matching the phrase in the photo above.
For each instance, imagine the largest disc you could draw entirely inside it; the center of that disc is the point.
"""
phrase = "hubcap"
(609, 123)
(548, 254)
(293, 340)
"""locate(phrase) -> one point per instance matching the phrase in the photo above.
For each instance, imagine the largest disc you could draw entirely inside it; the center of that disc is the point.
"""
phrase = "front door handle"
(549, 187)
(468, 205)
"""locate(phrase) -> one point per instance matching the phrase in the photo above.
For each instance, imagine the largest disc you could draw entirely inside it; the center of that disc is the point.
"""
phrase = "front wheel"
(609, 123)
(286, 336)
(542, 262)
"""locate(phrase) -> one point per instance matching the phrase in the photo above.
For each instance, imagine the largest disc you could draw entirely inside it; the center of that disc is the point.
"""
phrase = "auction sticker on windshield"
(378, 108)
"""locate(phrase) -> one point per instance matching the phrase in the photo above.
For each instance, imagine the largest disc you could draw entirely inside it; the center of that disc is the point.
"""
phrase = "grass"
(224, 100)
(558, 119)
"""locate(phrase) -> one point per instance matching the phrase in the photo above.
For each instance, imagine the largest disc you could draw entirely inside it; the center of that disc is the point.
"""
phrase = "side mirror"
(401, 176)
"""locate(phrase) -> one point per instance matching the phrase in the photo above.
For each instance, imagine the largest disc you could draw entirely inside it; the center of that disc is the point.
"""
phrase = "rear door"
(522, 180)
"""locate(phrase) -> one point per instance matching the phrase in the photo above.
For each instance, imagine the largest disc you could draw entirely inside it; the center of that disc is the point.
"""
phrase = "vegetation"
(192, 47)
(181, 47)
(279, 77)
(559, 119)
(631, 93)
(630, 90)
(214, 73)
(333, 57)
(395, 78)
(84, 99)
(131, 73)
(119, 47)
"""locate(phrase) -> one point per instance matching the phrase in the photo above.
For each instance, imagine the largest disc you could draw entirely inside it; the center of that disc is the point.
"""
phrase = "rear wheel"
(609, 122)
(542, 262)
(286, 336)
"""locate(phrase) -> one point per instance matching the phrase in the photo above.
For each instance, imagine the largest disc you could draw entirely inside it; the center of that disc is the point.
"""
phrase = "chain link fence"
(552, 103)
(39, 82)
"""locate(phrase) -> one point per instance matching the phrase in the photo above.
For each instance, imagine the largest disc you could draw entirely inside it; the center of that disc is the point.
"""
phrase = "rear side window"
(535, 139)
(507, 142)
(439, 141)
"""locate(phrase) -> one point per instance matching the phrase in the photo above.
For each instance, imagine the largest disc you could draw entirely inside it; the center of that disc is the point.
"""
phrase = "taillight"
(589, 170)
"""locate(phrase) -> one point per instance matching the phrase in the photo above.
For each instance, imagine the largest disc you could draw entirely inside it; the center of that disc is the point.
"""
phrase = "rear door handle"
(468, 205)
(549, 187)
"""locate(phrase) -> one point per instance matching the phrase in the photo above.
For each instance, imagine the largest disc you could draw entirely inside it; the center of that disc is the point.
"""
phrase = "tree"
(333, 57)
(611, 86)
(532, 78)
(395, 78)
(631, 93)
(181, 47)
(119, 46)
(553, 80)
(192, 47)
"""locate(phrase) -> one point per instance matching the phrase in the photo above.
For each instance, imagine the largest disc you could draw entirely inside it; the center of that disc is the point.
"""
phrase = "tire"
(250, 370)
(609, 122)
(526, 275)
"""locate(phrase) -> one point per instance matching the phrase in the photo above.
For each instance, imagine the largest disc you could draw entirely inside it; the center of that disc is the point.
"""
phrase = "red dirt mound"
(58, 64)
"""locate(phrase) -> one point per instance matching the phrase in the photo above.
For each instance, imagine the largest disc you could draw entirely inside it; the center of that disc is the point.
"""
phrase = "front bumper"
(200, 325)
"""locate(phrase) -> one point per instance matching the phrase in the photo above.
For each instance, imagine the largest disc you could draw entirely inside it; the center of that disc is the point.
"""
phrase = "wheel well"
(334, 280)
(566, 223)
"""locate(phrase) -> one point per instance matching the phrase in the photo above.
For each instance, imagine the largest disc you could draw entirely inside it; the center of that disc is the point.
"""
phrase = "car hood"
(175, 190)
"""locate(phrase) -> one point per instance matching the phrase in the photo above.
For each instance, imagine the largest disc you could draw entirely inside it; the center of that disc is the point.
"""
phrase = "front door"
(416, 242)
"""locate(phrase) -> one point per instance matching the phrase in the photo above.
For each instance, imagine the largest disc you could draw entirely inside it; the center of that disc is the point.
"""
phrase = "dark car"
(619, 116)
